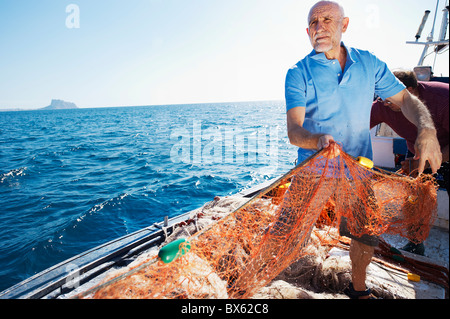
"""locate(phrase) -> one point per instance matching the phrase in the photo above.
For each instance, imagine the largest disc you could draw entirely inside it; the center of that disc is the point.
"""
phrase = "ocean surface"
(71, 180)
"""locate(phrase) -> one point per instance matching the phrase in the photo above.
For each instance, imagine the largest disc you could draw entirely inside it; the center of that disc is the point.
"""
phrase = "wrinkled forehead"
(325, 9)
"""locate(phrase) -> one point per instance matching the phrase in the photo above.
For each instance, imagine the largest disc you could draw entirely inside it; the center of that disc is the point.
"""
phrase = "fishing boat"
(73, 277)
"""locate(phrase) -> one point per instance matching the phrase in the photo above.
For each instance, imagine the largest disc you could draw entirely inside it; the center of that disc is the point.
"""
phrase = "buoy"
(364, 161)
(398, 258)
(285, 185)
(172, 251)
(412, 199)
(413, 277)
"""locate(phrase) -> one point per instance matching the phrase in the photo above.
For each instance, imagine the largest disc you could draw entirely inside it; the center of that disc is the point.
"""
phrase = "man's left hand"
(427, 148)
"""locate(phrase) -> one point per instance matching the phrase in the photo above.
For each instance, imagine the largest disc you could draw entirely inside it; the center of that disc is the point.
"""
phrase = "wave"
(110, 172)
(12, 174)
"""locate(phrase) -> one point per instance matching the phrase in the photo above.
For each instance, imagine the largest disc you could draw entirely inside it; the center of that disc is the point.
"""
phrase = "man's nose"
(320, 26)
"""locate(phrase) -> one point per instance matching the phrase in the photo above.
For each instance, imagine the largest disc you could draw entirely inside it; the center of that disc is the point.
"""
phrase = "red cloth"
(435, 96)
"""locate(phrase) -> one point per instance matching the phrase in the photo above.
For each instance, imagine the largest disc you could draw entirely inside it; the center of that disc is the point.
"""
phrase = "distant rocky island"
(55, 105)
(60, 105)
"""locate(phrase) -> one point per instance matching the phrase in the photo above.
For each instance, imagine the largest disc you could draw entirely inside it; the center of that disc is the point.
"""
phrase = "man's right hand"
(327, 141)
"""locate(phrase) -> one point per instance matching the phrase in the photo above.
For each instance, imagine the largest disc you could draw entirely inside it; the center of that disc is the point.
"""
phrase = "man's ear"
(307, 31)
(345, 23)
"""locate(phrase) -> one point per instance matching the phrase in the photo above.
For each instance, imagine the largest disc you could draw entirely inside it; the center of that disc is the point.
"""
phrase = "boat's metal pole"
(443, 32)
(444, 25)
(422, 25)
(430, 37)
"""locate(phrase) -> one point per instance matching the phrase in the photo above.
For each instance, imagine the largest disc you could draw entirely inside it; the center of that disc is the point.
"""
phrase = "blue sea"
(71, 180)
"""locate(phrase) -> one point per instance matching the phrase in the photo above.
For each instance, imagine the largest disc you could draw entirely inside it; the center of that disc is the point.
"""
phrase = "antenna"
(438, 45)
(422, 25)
(443, 32)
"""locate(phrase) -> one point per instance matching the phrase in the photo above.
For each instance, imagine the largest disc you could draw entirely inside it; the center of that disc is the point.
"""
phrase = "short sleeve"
(386, 84)
(295, 89)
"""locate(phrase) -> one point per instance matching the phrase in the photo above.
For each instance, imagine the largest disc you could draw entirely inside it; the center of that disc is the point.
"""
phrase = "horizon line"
(16, 109)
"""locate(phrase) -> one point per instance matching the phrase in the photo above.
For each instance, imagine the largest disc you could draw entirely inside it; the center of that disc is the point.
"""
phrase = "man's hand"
(427, 148)
(327, 141)
(409, 165)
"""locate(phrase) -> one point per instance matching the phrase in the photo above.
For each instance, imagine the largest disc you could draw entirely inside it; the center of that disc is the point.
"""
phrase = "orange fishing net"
(248, 248)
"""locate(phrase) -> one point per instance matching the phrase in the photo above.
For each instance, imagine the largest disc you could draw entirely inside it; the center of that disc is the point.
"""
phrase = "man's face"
(326, 26)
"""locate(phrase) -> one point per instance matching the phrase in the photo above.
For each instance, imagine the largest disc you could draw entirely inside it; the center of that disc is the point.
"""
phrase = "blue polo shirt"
(339, 103)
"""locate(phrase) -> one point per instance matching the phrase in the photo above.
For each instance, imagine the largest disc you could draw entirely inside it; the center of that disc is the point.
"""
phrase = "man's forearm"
(301, 137)
(426, 147)
(417, 113)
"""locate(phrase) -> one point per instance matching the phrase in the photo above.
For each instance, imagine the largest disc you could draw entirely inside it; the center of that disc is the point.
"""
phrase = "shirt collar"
(322, 58)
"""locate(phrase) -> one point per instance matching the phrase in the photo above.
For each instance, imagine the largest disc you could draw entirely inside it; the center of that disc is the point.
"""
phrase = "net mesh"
(245, 250)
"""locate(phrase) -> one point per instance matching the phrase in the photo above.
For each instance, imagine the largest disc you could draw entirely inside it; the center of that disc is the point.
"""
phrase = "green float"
(172, 251)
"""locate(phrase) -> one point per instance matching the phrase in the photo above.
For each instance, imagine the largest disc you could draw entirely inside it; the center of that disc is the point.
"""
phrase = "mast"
(443, 32)
(438, 45)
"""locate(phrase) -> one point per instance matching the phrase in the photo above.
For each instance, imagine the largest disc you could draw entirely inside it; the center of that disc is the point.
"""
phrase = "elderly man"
(329, 97)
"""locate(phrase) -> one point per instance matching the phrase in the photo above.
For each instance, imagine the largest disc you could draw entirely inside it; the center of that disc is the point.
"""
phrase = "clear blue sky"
(143, 52)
